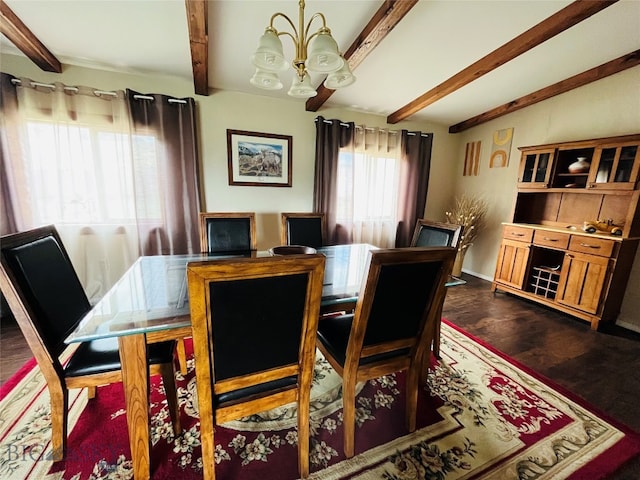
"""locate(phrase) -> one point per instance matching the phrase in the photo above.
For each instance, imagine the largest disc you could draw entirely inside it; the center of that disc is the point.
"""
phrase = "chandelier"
(315, 52)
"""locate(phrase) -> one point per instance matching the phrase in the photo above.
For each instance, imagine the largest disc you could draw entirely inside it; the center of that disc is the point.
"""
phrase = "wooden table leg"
(135, 379)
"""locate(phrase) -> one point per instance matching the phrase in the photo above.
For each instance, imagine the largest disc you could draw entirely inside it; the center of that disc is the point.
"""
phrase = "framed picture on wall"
(259, 159)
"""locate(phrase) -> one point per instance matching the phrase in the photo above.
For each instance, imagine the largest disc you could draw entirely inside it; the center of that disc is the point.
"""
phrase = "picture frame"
(259, 159)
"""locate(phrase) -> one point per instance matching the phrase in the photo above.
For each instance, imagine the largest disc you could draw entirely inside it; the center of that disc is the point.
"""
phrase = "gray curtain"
(414, 182)
(331, 135)
(173, 123)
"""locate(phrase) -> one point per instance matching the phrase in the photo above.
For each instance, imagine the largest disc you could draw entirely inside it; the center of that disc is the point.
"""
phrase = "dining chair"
(227, 231)
(429, 233)
(303, 229)
(254, 323)
(389, 331)
(436, 234)
(48, 301)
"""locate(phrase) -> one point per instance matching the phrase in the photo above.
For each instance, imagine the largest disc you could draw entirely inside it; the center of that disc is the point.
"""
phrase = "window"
(89, 176)
(367, 188)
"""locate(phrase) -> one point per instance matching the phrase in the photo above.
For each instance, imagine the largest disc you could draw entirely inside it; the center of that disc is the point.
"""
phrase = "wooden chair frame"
(284, 230)
(50, 365)
(353, 371)
(200, 276)
(204, 216)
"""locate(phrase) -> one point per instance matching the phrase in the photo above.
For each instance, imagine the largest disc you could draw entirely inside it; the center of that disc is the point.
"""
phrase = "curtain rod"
(395, 132)
(71, 89)
(148, 97)
(47, 85)
(96, 92)
(372, 128)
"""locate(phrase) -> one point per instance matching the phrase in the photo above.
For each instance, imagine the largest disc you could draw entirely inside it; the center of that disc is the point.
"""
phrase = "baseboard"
(479, 275)
(628, 326)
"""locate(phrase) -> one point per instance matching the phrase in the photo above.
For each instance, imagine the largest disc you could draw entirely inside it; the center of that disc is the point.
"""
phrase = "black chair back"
(303, 229)
(404, 293)
(436, 234)
(256, 323)
(46, 282)
(227, 232)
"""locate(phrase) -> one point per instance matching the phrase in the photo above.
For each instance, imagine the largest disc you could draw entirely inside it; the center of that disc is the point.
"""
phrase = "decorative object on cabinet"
(469, 212)
(472, 158)
(501, 148)
(259, 159)
(593, 226)
(548, 227)
(579, 166)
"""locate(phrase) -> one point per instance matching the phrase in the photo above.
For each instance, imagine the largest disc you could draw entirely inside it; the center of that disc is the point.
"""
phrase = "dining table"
(150, 303)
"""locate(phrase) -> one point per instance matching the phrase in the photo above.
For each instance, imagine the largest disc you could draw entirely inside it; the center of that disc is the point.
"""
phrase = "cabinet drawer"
(551, 239)
(517, 233)
(594, 246)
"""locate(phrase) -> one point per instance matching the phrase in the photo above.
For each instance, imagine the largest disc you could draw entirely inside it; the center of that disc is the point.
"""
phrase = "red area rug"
(485, 417)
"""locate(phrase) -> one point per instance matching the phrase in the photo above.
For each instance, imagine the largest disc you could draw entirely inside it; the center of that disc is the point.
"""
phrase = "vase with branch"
(470, 212)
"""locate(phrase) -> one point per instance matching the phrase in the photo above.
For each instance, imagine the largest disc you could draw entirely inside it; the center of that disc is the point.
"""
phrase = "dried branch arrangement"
(471, 213)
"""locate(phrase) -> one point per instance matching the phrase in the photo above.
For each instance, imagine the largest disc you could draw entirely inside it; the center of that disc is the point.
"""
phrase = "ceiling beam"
(569, 16)
(199, 43)
(382, 22)
(614, 66)
(24, 39)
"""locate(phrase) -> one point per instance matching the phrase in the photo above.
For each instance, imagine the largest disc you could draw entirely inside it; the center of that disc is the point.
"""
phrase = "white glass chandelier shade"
(302, 88)
(323, 55)
(315, 51)
(269, 55)
(341, 78)
(266, 80)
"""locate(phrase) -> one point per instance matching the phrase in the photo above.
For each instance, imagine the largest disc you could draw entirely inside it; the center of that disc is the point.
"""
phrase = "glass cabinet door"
(617, 167)
(535, 169)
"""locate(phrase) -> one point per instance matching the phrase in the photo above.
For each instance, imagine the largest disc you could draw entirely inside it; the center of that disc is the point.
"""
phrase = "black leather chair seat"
(100, 356)
(334, 332)
(244, 393)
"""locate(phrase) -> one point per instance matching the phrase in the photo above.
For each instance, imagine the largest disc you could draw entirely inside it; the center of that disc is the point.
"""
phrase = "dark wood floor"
(600, 367)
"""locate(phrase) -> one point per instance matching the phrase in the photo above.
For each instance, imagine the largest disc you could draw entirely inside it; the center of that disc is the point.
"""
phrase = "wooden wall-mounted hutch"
(545, 255)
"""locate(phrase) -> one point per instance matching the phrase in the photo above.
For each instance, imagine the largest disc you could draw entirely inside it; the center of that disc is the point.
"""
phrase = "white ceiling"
(434, 41)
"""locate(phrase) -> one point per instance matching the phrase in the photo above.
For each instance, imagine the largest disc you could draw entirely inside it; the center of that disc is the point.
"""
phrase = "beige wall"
(604, 108)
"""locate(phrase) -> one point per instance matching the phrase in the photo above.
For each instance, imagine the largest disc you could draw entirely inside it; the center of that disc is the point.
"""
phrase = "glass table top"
(152, 295)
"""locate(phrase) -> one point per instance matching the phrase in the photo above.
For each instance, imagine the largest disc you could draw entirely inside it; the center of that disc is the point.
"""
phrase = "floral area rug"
(482, 417)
